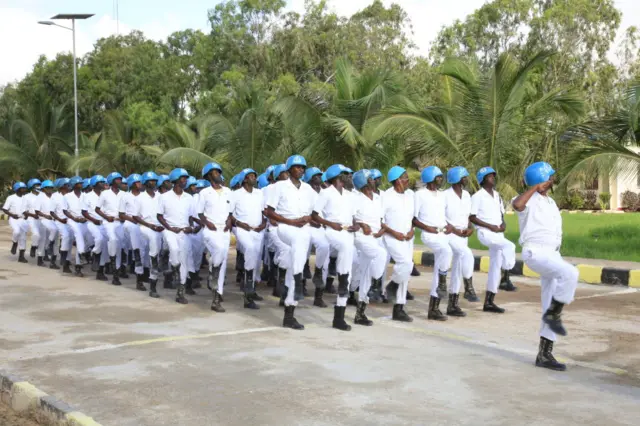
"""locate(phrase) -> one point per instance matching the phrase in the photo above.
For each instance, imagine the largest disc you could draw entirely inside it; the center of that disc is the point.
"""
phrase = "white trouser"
(19, 228)
(320, 242)
(442, 254)
(558, 279)
(343, 242)
(402, 255)
(462, 262)
(151, 246)
(179, 251)
(251, 246)
(99, 236)
(197, 244)
(281, 249)
(38, 235)
(79, 231)
(371, 262)
(113, 230)
(52, 230)
(217, 243)
(133, 234)
(66, 235)
(295, 245)
(502, 255)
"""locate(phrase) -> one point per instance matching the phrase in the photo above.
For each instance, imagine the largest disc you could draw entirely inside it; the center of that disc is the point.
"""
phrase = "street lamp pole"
(72, 17)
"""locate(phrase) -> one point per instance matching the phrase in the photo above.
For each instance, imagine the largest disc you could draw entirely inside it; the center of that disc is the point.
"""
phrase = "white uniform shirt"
(127, 203)
(43, 203)
(58, 204)
(335, 206)
(30, 202)
(247, 207)
(109, 202)
(457, 209)
(430, 208)
(291, 202)
(487, 208)
(398, 210)
(146, 207)
(90, 201)
(74, 204)
(176, 209)
(540, 222)
(215, 205)
(14, 204)
(368, 211)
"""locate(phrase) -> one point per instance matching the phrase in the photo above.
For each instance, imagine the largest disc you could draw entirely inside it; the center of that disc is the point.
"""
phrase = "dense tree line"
(516, 81)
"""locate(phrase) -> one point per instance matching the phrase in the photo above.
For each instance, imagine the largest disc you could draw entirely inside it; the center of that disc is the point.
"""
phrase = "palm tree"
(118, 147)
(329, 131)
(498, 119)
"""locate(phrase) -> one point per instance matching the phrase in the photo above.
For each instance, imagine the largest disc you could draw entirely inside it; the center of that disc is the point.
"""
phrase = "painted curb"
(23, 397)
(590, 274)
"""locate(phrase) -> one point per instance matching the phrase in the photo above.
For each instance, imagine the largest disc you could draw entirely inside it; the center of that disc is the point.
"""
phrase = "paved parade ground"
(126, 359)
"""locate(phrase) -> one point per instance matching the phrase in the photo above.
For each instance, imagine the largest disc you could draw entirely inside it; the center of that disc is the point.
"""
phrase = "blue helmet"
(361, 177)
(335, 170)
(74, 181)
(484, 172)
(60, 182)
(537, 173)
(86, 182)
(191, 181)
(375, 174)
(429, 174)
(133, 178)
(270, 169)
(177, 174)
(147, 176)
(47, 184)
(201, 183)
(279, 169)
(162, 179)
(311, 172)
(211, 166)
(395, 172)
(324, 177)
(263, 180)
(296, 160)
(234, 181)
(33, 182)
(455, 174)
(97, 179)
(113, 176)
(243, 174)
(18, 185)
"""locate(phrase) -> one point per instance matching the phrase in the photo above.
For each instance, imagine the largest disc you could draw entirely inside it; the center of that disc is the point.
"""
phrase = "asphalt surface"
(126, 359)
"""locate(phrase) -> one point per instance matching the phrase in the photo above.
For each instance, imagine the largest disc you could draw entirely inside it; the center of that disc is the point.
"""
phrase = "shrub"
(604, 199)
(575, 200)
(591, 200)
(629, 200)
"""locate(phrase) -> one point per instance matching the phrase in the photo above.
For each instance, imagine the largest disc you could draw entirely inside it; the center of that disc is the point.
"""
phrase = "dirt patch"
(8, 417)
(619, 349)
(111, 314)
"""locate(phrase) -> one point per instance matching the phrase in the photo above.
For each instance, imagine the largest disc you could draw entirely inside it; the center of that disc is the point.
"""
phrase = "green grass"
(593, 236)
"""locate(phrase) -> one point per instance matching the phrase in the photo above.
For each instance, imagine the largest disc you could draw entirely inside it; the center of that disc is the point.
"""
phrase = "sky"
(23, 40)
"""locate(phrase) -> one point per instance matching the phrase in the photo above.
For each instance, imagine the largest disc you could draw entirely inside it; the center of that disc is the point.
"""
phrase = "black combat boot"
(66, 265)
(375, 292)
(332, 266)
(298, 294)
(505, 282)
(264, 274)
(338, 318)
(489, 306)
(289, 320)
(204, 262)
(78, 271)
(469, 291)
(280, 290)
(409, 295)
(415, 272)
(317, 278)
(352, 301)
(153, 292)
(14, 248)
(107, 267)
(306, 272)
(175, 272)
(391, 290)
(399, 314)
(32, 252)
(317, 299)
(212, 278)
(95, 263)
(442, 286)
(453, 308)
(434, 310)
(146, 273)
(100, 275)
(329, 287)
(216, 304)
(545, 358)
(53, 264)
(189, 285)
(122, 272)
(361, 317)
(249, 286)
(40, 261)
(140, 283)
(137, 258)
(553, 317)
(343, 285)
(21, 257)
(116, 273)
(168, 281)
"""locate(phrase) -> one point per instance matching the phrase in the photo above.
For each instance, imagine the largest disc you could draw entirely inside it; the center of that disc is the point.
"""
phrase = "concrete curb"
(590, 274)
(23, 397)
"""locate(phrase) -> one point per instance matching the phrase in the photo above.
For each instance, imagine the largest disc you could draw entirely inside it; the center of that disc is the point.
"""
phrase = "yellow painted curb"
(590, 274)
(484, 264)
(25, 396)
(528, 272)
(233, 240)
(634, 278)
(77, 418)
(417, 257)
